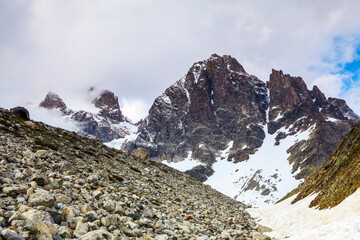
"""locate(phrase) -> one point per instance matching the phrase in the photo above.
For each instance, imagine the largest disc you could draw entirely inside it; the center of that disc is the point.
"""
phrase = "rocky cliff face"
(293, 108)
(57, 185)
(106, 124)
(218, 113)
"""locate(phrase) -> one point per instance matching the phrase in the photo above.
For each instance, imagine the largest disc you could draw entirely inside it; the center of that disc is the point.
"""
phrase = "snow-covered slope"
(264, 178)
(327, 204)
(51, 117)
(299, 222)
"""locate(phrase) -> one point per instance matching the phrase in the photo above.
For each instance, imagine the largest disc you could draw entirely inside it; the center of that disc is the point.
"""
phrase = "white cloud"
(134, 109)
(352, 98)
(329, 84)
(139, 48)
(51, 117)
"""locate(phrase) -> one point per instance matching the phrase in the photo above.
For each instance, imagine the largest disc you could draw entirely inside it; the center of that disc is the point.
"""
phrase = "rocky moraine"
(57, 185)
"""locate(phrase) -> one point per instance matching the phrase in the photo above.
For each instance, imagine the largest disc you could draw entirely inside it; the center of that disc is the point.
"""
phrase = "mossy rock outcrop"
(141, 153)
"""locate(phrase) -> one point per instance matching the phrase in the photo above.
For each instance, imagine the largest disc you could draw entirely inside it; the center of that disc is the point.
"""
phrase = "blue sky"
(350, 71)
(345, 60)
(138, 48)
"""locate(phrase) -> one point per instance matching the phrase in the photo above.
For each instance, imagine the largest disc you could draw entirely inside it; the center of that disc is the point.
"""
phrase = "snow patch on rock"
(184, 165)
(330, 119)
(196, 71)
(132, 134)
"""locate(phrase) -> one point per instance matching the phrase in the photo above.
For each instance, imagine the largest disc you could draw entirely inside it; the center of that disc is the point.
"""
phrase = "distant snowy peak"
(53, 101)
(105, 125)
(109, 105)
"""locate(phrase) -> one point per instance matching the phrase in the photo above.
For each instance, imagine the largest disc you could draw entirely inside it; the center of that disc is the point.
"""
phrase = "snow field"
(299, 222)
(268, 166)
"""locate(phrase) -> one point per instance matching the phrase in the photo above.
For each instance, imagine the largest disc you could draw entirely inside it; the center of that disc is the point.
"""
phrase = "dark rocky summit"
(214, 103)
(105, 125)
(217, 102)
(57, 185)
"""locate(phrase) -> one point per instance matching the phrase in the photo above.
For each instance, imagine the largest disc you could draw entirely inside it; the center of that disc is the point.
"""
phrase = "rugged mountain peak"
(53, 101)
(201, 113)
(109, 105)
(106, 99)
(215, 65)
(290, 99)
(295, 109)
(320, 99)
(226, 62)
(286, 93)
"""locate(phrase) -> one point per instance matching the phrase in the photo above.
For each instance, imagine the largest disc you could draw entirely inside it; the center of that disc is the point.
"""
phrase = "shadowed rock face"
(98, 125)
(217, 101)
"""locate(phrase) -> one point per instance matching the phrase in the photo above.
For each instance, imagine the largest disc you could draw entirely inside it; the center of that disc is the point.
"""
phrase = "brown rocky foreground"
(57, 185)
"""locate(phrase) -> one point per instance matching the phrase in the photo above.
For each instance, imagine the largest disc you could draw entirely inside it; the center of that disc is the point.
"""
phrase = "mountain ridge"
(217, 103)
(106, 124)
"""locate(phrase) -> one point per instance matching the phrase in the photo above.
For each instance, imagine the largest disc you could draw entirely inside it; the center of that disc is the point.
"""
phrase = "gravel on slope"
(57, 185)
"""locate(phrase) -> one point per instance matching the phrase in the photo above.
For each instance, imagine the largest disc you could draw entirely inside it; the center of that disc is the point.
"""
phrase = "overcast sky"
(139, 48)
